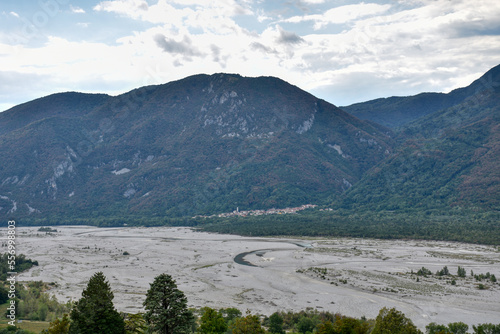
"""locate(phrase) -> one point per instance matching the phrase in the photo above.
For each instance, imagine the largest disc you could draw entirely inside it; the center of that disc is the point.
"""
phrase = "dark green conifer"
(95, 312)
(166, 307)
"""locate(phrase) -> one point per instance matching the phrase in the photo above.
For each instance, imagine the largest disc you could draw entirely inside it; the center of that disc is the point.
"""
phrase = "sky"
(339, 50)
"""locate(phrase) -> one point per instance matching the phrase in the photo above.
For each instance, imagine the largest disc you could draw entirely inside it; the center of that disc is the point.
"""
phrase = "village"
(273, 211)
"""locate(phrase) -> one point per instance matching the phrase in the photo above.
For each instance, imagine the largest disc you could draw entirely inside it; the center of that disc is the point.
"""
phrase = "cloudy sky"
(340, 50)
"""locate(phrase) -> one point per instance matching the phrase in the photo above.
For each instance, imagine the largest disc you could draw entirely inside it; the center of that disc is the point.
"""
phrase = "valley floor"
(354, 277)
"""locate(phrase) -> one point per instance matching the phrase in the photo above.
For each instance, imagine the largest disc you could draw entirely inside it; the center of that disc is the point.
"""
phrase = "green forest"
(474, 228)
(452, 225)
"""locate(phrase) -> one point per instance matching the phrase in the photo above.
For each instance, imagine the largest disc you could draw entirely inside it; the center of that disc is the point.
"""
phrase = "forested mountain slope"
(395, 112)
(443, 160)
(204, 144)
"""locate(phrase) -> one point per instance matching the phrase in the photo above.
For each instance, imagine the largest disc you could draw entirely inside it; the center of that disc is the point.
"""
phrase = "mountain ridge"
(206, 143)
(445, 159)
(209, 144)
(397, 111)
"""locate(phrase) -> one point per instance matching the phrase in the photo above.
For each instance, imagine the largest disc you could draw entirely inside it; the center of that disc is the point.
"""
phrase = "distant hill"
(395, 112)
(201, 145)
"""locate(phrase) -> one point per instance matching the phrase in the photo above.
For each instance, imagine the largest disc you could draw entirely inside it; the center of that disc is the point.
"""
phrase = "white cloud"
(131, 8)
(204, 12)
(77, 10)
(406, 52)
(314, 2)
(340, 15)
(14, 14)
(398, 49)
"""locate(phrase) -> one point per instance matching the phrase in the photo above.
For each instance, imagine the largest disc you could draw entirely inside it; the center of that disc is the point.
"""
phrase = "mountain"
(66, 105)
(203, 144)
(395, 112)
(444, 160)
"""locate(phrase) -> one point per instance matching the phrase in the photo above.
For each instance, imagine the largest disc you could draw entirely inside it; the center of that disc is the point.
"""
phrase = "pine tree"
(95, 312)
(166, 307)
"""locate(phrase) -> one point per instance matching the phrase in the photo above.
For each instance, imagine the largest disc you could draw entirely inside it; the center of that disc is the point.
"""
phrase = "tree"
(230, 314)
(487, 329)
(458, 328)
(166, 307)
(276, 324)
(393, 322)
(58, 326)
(461, 272)
(135, 324)
(212, 322)
(247, 325)
(443, 272)
(4, 295)
(346, 325)
(95, 312)
(434, 328)
(424, 272)
(305, 325)
(326, 328)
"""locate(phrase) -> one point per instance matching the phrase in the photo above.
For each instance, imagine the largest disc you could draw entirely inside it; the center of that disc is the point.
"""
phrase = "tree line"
(167, 312)
(452, 224)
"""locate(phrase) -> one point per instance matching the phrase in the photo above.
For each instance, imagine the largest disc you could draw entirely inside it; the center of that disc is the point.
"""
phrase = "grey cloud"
(261, 47)
(143, 6)
(183, 47)
(287, 37)
(215, 52)
(460, 29)
(216, 55)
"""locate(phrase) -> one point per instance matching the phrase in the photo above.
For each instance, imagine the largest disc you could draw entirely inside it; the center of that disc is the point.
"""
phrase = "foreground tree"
(95, 312)
(394, 322)
(326, 328)
(347, 325)
(230, 314)
(458, 328)
(212, 322)
(135, 324)
(487, 329)
(434, 328)
(305, 325)
(166, 307)
(58, 326)
(276, 324)
(247, 325)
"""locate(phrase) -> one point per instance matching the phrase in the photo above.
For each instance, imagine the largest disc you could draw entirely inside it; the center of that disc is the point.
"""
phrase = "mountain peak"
(202, 144)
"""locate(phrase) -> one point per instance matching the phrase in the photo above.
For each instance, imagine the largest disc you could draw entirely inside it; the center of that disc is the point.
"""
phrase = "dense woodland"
(451, 225)
(477, 228)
